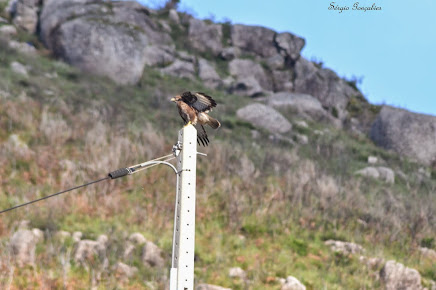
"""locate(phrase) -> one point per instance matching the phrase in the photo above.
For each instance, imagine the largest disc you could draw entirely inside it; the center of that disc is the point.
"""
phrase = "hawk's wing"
(199, 101)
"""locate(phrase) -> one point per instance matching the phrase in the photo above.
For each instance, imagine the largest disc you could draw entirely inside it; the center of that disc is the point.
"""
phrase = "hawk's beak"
(173, 100)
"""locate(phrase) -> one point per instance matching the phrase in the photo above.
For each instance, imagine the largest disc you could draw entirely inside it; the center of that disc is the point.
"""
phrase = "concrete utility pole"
(182, 270)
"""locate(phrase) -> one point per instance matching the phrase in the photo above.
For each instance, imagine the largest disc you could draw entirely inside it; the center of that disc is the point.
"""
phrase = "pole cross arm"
(136, 168)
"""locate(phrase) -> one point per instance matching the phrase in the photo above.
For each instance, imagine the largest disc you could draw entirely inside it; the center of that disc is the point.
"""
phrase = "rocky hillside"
(122, 39)
(306, 185)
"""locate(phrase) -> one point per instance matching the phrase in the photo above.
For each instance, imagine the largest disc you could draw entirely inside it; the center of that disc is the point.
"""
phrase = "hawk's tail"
(202, 136)
(214, 123)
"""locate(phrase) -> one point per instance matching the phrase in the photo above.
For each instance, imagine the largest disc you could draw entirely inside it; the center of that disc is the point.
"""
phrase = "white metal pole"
(182, 271)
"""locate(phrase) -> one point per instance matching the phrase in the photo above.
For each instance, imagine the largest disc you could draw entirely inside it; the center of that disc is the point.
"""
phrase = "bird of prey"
(194, 109)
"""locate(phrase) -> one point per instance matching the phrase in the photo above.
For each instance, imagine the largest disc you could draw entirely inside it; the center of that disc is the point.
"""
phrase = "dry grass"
(54, 128)
(261, 205)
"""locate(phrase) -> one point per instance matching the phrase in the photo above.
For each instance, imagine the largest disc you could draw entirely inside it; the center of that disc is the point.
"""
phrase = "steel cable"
(51, 195)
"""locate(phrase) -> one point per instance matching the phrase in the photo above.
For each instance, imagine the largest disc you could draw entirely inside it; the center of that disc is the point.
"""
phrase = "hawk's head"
(176, 99)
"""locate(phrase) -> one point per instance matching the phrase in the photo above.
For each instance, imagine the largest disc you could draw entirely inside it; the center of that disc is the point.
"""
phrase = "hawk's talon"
(189, 123)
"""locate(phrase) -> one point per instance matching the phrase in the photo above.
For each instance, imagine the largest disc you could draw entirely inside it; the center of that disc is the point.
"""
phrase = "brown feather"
(193, 107)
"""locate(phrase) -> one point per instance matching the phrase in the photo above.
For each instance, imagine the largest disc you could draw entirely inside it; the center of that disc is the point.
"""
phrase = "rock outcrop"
(265, 117)
(237, 272)
(38, 234)
(333, 92)
(255, 39)
(135, 240)
(345, 248)
(372, 263)
(428, 253)
(205, 37)
(266, 43)
(230, 53)
(77, 236)
(289, 45)
(99, 38)
(19, 68)
(22, 244)
(306, 106)
(181, 69)
(124, 271)
(406, 133)
(22, 47)
(292, 283)
(87, 251)
(7, 30)
(250, 74)
(383, 173)
(208, 74)
(25, 14)
(152, 255)
(159, 55)
(396, 276)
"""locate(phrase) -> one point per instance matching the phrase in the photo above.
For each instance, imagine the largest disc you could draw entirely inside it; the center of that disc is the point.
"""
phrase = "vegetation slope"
(263, 205)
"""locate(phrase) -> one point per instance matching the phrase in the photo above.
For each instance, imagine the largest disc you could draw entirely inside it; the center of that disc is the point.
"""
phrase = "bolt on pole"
(182, 271)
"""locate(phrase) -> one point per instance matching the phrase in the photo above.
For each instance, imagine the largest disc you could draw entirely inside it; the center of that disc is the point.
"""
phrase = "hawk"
(193, 108)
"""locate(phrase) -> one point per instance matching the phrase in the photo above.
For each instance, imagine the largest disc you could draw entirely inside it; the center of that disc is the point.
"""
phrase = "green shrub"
(299, 246)
(428, 242)
(254, 229)
(331, 235)
(227, 32)
(342, 260)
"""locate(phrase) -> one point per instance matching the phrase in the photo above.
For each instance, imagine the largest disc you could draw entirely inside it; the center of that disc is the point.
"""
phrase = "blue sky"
(394, 49)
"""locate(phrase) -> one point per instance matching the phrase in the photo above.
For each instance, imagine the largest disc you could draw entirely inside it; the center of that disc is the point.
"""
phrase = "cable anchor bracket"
(177, 148)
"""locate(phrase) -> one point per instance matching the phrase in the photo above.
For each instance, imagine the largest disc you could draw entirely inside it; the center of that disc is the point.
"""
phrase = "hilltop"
(305, 178)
